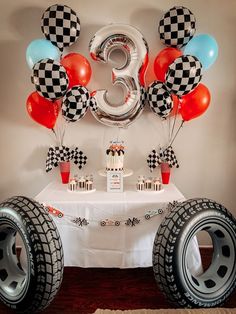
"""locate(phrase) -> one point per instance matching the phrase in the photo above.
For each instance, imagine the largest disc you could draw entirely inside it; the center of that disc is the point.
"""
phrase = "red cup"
(65, 171)
(165, 172)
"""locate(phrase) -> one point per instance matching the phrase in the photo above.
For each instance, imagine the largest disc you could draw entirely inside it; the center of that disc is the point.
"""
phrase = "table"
(122, 246)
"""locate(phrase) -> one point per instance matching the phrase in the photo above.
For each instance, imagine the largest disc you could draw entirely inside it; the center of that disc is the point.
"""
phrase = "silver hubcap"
(13, 270)
(220, 274)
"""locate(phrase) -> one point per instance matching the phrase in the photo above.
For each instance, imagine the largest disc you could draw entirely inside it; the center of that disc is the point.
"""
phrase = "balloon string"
(169, 137)
(54, 132)
(173, 126)
(163, 128)
(64, 131)
(181, 125)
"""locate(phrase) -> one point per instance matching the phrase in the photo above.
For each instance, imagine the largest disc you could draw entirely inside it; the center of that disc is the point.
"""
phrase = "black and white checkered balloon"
(159, 99)
(61, 25)
(183, 75)
(50, 79)
(93, 104)
(143, 96)
(75, 103)
(177, 27)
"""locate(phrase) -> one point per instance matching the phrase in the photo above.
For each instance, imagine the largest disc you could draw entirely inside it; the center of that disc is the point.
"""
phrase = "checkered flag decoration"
(75, 103)
(183, 75)
(58, 154)
(177, 27)
(165, 155)
(50, 79)
(159, 99)
(61, 25)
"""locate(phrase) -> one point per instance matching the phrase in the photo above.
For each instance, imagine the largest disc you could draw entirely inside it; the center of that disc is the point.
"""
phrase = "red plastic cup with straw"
(165, 172)
(65, 171)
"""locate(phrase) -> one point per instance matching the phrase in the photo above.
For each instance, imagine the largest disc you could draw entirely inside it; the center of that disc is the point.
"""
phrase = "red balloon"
(195, 103)
(163, 60)
(175, 109)
(77, 68)
(42, 110)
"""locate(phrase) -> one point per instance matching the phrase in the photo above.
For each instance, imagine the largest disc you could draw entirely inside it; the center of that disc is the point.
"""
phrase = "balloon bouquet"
(59, 80)
(178, 69)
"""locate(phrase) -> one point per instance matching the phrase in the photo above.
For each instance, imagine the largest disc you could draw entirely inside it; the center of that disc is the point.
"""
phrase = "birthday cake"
(115, 157)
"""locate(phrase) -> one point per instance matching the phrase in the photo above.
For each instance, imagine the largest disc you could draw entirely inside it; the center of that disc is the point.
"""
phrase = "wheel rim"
(221, 273)
(13, 274)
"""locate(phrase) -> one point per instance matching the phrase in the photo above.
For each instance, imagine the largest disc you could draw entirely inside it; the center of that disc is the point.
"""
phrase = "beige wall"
(205, 147)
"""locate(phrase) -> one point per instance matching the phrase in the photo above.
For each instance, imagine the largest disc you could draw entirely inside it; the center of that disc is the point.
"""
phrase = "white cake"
(115, 158)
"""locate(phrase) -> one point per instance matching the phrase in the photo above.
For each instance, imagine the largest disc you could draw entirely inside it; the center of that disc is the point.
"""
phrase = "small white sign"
(114, 181)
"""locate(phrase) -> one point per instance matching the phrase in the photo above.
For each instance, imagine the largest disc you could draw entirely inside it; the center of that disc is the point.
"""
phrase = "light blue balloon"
(204, 47)
(40, 49)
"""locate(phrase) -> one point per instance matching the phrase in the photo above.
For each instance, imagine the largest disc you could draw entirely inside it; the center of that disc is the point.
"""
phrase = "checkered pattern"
(75, 103)
(177, 27)
(153, 160)
(167, 155)
(79, 158)
(159, 99)
(93, 104)
(60, 25)
(58, 154)
(183, 75)
(50, 79)
(143, 96)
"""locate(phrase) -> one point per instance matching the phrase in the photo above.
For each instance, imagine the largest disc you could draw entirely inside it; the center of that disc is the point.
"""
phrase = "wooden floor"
(85, 290)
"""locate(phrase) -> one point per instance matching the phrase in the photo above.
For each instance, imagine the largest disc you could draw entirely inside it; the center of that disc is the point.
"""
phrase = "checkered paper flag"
(168, 155)
(165, 155)
(50, 79)
(159, 99)
(153, 160)
(177, 27)
(58, 154)
(61, 25)
(75, 103)
(183, 75)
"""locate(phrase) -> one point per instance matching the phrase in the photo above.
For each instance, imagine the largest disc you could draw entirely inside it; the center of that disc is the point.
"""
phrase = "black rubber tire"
(217, 283)
(44, 254)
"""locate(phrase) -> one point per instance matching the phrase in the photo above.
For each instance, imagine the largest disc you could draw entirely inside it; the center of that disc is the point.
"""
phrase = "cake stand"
(127, 172)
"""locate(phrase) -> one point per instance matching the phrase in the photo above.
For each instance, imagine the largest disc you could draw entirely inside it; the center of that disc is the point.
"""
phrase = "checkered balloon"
(93, 104)
(177, 27)
(61, 25)
(75, 103)
(50, 79)
(183, 75)
(159, 99)
(143, 96)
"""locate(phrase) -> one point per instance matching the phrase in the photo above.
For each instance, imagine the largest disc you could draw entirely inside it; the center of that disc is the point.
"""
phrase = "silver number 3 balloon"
(130, 76)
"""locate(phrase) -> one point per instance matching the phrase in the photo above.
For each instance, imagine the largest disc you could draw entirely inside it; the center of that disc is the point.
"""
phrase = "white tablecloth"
(110, 246)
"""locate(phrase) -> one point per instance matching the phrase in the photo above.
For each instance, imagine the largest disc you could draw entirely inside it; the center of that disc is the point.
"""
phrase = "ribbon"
(58, 154)
(165, 155)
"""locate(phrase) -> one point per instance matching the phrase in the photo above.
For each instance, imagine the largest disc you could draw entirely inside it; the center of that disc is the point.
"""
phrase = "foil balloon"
(130, 75)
